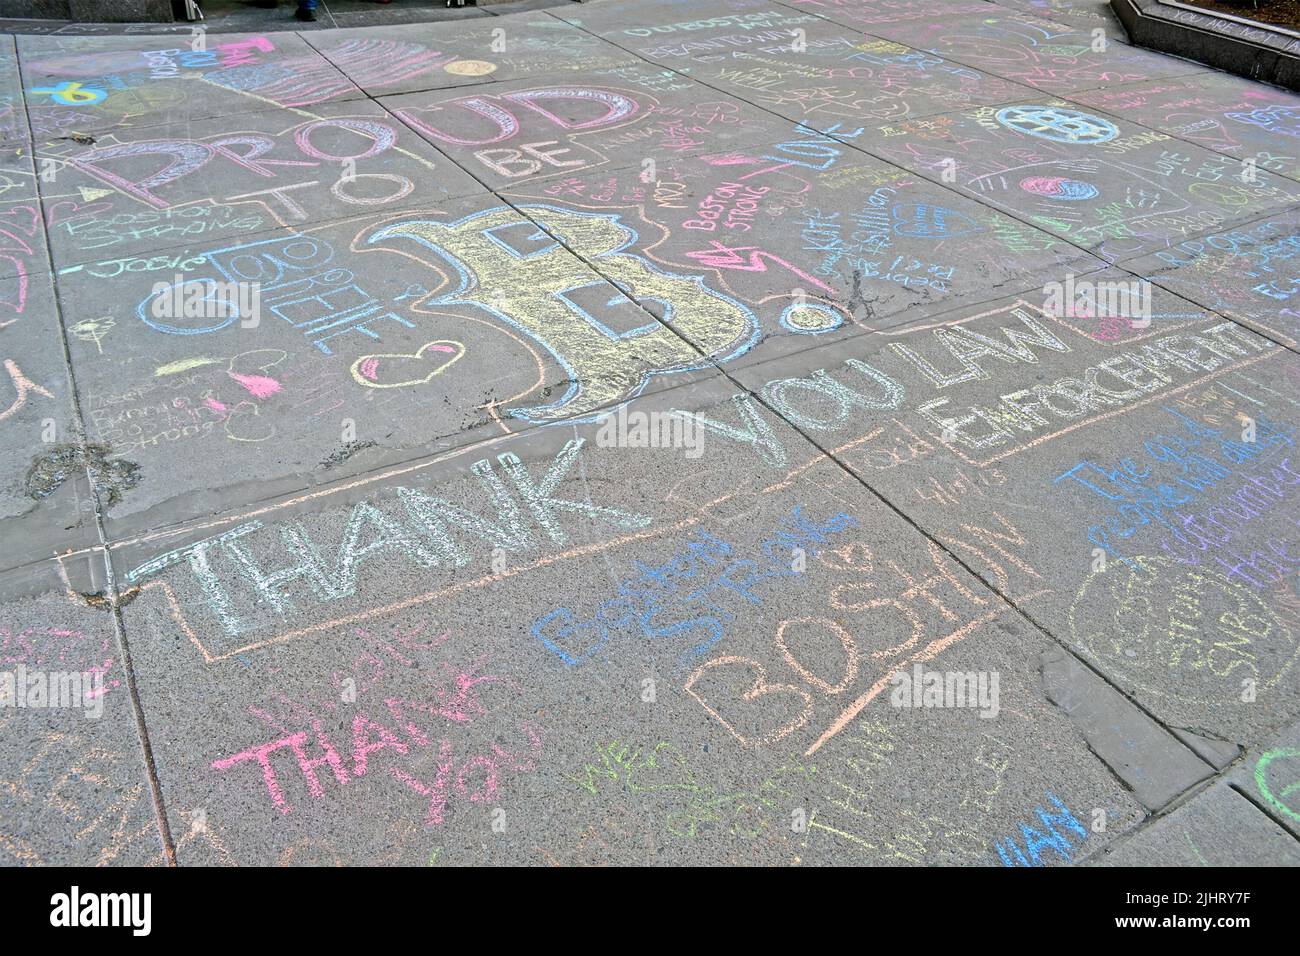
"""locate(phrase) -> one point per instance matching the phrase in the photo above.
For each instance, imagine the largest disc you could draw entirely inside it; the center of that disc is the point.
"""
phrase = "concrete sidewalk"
(235, 16)
(751, 432)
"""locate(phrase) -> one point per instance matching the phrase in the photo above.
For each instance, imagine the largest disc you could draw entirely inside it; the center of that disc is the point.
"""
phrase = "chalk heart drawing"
(524, 276)
(390, 370)
(758, 689)
(26, 219)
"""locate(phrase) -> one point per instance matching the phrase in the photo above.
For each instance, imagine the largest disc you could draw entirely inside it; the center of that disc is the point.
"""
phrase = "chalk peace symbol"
(1057, 125)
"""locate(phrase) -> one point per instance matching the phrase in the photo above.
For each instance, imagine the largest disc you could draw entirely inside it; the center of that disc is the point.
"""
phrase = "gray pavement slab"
(1244, 120)
(373, 339)
(1051, 57)
(1270, 777)
(1155, 541)
(1103, 183)
(1247, 273)
(73, 786)
(363, 13)
(13, 114)
(1089, 14)
(666, 21)
(22, 236)
(90, 85)
(819, 242)
(1216, 828)
(1219, 754)
(687, 642)
(204, 182)
(666, 16)
(818, 72)
(46, 501)
(1154, 764)
(501, 8)
(876, 15)
(555, 125)
(483, 50)
(40, 512)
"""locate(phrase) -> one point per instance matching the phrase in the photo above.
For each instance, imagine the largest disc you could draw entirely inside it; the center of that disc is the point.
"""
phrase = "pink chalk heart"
(26, 219)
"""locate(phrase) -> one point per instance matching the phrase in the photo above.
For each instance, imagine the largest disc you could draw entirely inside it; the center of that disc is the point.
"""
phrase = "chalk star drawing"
(1058, 125)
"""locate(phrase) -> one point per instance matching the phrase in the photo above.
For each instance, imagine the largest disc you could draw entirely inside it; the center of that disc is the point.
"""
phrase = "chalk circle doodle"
(203, 307)
(1279, 784)
(1058, 187)
(399, 371)
(1058, 125)
(1161, 625)
(470, 68)
(811, 318)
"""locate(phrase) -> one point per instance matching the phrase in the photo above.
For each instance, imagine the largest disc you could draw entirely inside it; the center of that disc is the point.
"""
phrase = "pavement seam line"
(119, 626)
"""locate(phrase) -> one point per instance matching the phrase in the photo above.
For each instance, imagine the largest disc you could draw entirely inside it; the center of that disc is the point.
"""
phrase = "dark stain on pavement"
(347, 451)
(110, 478)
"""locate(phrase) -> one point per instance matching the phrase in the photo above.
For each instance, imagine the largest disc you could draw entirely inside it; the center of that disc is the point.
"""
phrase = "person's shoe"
(308, 15)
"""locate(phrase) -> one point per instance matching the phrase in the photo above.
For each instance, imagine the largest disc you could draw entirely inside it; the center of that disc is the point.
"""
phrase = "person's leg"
(306, 10)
